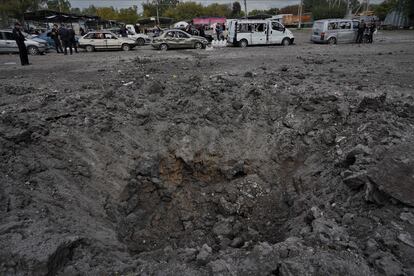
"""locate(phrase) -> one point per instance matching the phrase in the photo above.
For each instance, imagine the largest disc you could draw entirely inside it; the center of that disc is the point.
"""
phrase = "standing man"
(54, 34)
(19, 37)
(218, 30)
(124, 32)
(361, 30)
(65, 37)
(72, 39)
(372, 30)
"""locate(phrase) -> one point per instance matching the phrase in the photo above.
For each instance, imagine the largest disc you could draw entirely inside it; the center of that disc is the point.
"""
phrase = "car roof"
(173, 30)
(335, 20)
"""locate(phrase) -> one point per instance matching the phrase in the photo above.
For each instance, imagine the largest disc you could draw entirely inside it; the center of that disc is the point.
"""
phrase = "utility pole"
(300, 14)
(245, 8)
(158, 16)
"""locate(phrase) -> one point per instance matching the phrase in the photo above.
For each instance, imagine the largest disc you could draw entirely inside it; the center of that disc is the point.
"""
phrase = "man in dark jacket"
(124, 31)
(72, 37)
(65, 37)
(54, 34)
(372, 29)
(361, 30)
(19, 37)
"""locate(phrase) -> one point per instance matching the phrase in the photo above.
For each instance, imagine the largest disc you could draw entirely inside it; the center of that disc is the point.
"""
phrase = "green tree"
(76, 11)
(292, 9)
(219, 10)
(185, 11)
(236, 9)
(91, 10)
(59, 5)
(324, 12)
(150, 9)
(256, 12)
(129, 15)
(273, 11)
(107, 13)
(17, 8)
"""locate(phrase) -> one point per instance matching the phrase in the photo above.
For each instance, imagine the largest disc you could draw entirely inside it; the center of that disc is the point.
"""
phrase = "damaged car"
(177, 39)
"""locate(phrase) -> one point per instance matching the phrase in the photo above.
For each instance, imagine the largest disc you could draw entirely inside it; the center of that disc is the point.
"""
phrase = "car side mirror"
(284, 29)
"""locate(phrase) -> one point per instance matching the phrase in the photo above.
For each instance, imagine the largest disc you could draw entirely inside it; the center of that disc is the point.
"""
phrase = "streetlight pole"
(300, 14)
(245, 8)
(158, 16)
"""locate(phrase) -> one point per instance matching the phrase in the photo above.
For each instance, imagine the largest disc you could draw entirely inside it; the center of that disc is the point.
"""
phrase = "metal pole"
(300, 15)
(245, 8)
(158, 17)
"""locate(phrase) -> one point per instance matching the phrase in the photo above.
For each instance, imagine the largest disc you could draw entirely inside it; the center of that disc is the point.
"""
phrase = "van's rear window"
(318, 25)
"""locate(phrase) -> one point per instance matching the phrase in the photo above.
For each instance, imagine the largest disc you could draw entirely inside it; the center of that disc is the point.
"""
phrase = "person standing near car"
(218, 30)
(19, 37)
(72, 39)
(54, 34)
(81, 31)
(65, 37)
(124, 32)
(361, 29)
(372, 29)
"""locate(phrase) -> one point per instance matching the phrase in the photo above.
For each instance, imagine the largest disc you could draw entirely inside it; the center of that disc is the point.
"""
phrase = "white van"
(258, 32)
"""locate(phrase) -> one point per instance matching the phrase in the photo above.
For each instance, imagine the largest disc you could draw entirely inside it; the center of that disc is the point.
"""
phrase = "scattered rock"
(406, 238)
(356, 180)
(407, 216)
(204, 254)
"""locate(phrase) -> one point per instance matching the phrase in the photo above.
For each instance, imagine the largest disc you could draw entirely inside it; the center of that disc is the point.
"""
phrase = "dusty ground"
(260, 161)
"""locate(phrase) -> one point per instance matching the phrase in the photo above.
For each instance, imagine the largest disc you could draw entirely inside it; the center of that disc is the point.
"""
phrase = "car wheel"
(198, 45)
(140, 42)
(286, 41)
(90, 48)
(332, 41)
(163, 47)
(33, 50)
(126, 47)
(243, 43)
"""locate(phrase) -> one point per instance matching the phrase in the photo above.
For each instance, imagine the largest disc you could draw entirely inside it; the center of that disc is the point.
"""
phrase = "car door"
(170, 39)
(259, 34)
(244, 31)
(183, 40)
(345, 33)
(276, 33)
(2, 42)
(112, 42)
(332, 30)
(96, 39)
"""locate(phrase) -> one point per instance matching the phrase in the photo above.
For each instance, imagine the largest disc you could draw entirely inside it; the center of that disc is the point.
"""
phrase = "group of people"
(64, 36)
(363, 29)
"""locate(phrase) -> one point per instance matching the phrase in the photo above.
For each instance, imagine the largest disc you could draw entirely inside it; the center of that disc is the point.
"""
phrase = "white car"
(141, 39)
(105, 40)
(9, 45)
(245, 32)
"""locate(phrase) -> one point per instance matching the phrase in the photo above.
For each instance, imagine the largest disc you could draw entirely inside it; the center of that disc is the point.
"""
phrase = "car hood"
(37, 39)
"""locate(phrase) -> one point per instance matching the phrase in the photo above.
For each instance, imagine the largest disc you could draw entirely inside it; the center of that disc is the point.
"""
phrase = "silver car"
(9, 45)
(176, 39)
(334, 31)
